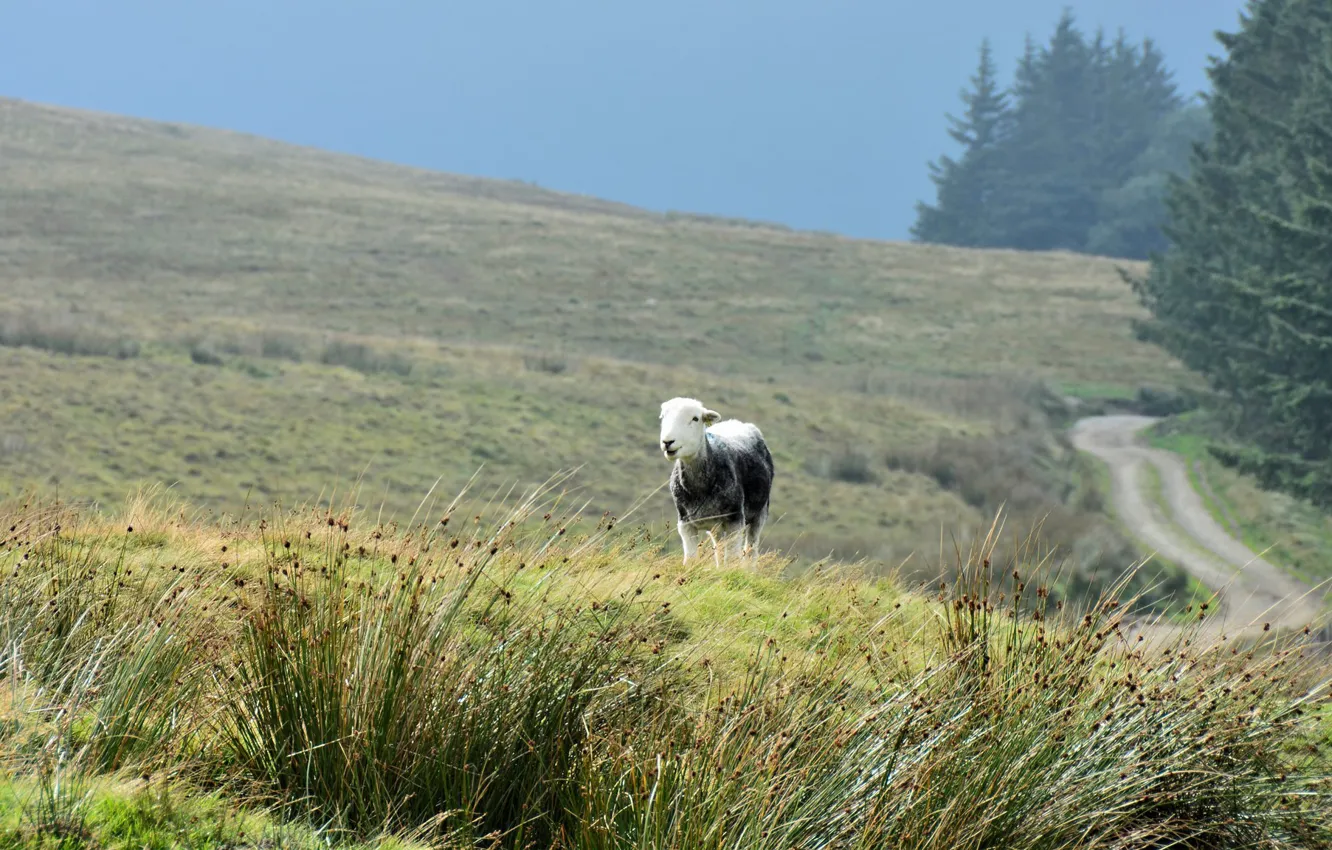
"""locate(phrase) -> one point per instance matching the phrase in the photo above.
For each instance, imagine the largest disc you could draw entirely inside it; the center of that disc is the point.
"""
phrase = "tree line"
(1242, 293)
(1075, 154)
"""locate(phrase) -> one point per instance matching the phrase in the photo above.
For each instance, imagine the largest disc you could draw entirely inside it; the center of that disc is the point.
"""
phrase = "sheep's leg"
(754, 531)
(716, 548)
(734, 536)
(738, 542)
(688, 539)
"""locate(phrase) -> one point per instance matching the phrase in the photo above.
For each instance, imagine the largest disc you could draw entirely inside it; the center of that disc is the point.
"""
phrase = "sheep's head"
(684, 423)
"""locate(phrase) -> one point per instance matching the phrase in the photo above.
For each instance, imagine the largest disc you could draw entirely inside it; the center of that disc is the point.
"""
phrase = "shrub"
(551, 364)
(1160, 401)
(204, 353)
(1038, 480)
(449, 695)
(851, 465)
(363, 358)
(64, 333)
(278, 346)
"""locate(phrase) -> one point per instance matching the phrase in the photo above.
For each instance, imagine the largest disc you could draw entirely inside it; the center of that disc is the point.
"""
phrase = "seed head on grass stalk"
(1035, 740)
(110, 661)
(469, 693)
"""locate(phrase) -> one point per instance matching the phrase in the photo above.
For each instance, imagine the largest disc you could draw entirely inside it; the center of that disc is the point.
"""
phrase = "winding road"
(1251, 591)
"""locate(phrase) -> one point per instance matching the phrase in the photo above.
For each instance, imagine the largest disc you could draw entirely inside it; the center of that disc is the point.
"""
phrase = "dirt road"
(1251, 590)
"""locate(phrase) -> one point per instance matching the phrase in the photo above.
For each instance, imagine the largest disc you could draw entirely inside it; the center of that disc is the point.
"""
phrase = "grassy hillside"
(250, 322)
(303, 678)
(163, 227)
(245, 322)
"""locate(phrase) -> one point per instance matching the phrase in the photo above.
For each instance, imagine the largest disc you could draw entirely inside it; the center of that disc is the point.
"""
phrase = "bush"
(551, 364)
(1020, 471)
(1159, 401)
(850, 465)
(1037, 480)
(363, 358)
(277, 346)
(64, 333)
(204, 353)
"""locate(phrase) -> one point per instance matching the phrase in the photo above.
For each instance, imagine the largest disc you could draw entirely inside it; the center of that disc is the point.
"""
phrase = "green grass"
(129, 813)
(1097, 391)
(300, 320)
(223, 437)
(1286, 531)
(205, 232)
(552, 681)
(250, 323)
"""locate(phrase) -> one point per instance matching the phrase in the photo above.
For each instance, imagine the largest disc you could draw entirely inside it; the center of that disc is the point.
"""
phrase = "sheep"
(722, 477)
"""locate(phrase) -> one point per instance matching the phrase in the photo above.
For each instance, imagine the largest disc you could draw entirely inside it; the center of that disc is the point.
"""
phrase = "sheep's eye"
(695, 418)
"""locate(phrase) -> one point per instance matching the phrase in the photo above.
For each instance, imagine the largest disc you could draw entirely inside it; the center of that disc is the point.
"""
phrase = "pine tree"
(1201, 312)
(1057, 161)
(1158, 95)
(1134, 95)
(1026, 77)
(1117, 133)
(1146, 136)
(961, 214)
(1045, 198)
(1242, 295)
(1130, 215)
(1293, 376)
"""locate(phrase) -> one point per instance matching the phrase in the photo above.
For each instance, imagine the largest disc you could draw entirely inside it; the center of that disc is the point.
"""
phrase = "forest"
(1075, 154)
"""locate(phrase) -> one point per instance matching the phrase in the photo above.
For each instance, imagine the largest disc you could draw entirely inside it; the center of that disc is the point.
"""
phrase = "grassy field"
(314, 677)
(169, 230)
(234, 324)
(250, 322)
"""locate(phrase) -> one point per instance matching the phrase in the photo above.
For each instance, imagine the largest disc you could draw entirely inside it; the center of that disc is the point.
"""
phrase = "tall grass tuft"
(522, 685)
(1033, 726)
(433, 684)
(108, 657)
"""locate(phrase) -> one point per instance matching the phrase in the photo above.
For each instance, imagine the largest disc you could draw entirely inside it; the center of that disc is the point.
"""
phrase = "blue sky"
(816, 113)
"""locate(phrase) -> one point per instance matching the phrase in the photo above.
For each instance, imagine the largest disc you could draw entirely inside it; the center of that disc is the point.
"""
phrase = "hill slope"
(256, 321)
(508, 686)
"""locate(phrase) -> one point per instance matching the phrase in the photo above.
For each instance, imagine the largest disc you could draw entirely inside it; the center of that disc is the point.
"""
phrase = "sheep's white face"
(684, 423)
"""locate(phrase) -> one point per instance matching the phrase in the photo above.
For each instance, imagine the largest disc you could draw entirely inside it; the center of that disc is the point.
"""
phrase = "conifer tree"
(1062, 159)
(1130, 215)
(1045, 201)
(961, 214)
(1242, 294)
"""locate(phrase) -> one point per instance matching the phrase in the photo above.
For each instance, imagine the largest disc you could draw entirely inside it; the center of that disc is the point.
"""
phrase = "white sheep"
(722, 476)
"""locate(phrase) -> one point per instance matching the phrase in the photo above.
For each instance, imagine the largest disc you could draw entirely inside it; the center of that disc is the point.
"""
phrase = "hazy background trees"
(1072, 155)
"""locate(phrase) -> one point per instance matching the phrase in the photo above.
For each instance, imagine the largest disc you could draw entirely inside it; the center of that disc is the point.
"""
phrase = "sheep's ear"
(711, 417)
